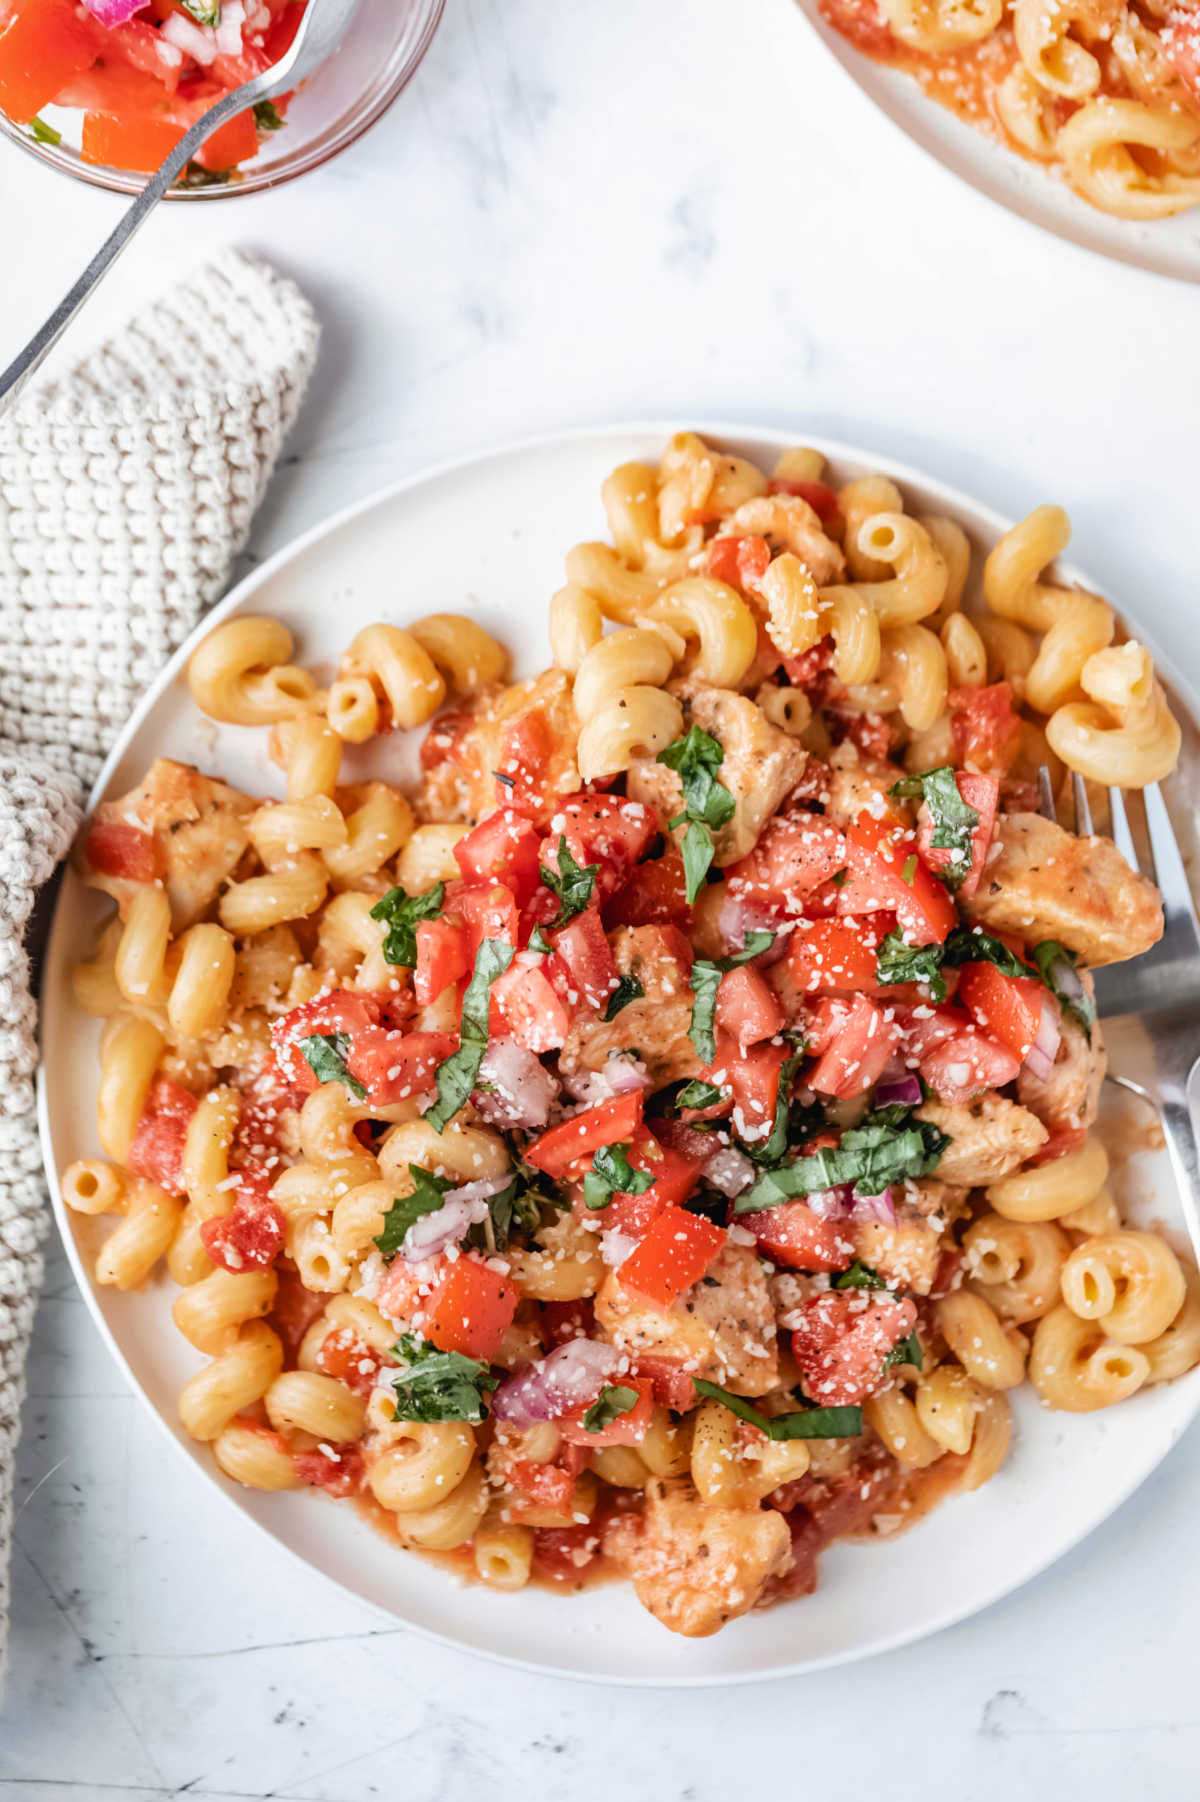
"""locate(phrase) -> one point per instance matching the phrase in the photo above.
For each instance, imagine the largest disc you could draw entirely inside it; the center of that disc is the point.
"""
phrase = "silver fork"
(322, 28)
(1162, 987)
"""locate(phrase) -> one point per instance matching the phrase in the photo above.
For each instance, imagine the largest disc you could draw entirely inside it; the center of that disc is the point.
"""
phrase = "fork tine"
(1122, 837)
(1083, 813)
(1046, 792)
(1169, 871)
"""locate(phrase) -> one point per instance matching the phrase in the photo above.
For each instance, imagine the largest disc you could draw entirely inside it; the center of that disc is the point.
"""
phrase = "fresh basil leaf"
(426, 1198)
(696, 758)
(971, 945)
(698, 1094)
(456, 1074)
(697, 857)
(870, 1156)
(325, 1055)
(573, 884)
(433, 1385)
(205, 12)
(706, 979)
(43, 133)
(267, 116)
(908, 1351)
(401, 913)
(611, 1174)
(613, 1400)
(539, 942)
(952, 820)
(627, 990)
(859, 1276)
(896, 961)
(806, 1423)
(1056, 967)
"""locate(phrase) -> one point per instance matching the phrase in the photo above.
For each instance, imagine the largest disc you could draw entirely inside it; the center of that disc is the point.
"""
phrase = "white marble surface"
(677, 209)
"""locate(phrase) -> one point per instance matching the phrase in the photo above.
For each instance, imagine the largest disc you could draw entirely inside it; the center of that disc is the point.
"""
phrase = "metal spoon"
(321, 30)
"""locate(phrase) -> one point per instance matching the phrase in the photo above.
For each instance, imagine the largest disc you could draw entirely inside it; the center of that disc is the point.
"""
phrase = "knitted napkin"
(126, 490)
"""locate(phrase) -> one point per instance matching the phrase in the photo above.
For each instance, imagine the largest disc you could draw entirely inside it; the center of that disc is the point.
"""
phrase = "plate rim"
(618, 433)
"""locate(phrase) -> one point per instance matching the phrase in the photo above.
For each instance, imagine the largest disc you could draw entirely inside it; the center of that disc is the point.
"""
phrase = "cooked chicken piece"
(988, 1137)
(199, 828)
(492, 731)
(722, 1329)
(788, 523)
(761, 766)
(1069, 1099)
(906, 1251)
(697, 1565)
(1042, 882)
(928, 1195)
(860, 784)
(655, 1028)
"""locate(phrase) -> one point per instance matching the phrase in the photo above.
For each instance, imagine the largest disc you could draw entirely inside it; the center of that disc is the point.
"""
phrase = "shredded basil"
(456, 1074)
(707, 803)
(706, 979)
(859, 1276)
(613, 1400)
(908, 1351)
(870, 1156)
(539, 942)
(698, 1094)
(573, 884)
(627, 990)
(427, 1193)
(433, 1385)
(267, 116)
(325, 1055)
(43, 133)
(896, 961)
(952, 819)
(205, 12)
(1073, 998)
(612, 1174)
(806, 1423)
(401, 913)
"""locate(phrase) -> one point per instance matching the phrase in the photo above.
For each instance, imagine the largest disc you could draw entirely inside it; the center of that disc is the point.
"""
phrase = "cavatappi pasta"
(1103, 93)
(661, 1142)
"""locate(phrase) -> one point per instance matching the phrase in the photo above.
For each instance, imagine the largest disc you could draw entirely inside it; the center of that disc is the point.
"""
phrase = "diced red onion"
(1039, 1059)
(1067, 980)
(738, 917)
(461, 1209)
(113, 12)
(570, 1376)
(728, 1171)
(874, 1207)
(899, 1091)
(831, 1204)
(520, 1091)
(616, 1246)
(619, 1076)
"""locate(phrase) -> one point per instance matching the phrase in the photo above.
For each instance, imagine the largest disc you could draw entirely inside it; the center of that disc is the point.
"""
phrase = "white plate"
(488, 537)
(1164, 246)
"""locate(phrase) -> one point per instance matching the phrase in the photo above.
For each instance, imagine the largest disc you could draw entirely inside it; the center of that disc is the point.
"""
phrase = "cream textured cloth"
(126, 489)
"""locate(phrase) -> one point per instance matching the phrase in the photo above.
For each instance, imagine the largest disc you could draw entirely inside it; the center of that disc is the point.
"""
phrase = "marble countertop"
(574, 215)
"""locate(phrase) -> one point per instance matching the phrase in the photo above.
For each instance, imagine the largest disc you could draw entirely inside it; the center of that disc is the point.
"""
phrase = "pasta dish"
(655, 1147)
(1104, 93)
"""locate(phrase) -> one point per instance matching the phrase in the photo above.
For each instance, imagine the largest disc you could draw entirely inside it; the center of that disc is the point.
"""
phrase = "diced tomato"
(627, 1429)
(808, 671)
(130, 143)
(233, 71)
(843, 1340)
(549, 1485)
(983, 794)
(488, 910)
(741, 562)
(675, 1253)
(1007, 1008)
(795, 854)
(341, 1011)
(748, 1009)
(675, 1176)
(562, 1554)
(862, 24)
(752, 1079)
(406, 1288)
(858, 1054)
(672, 1385)
(139, 45)
(837, 953)
(572, 1142)
(125, 852)
(444, 956)
(566, 1320)
(232, 143)
(342, 1354)
(250, 1236)
(655, 892)
(393, 1066)
(43, 43)
(526, 747)
(819, 495)
(338, 1469)
(1181, 39)
(444, 737)
(966, 1065)
(602, 829)
(470, 1310)
(502, 848)
(157, 1149)
(529, 1009)
(795, 1235)
(586, 952)
(886, 872)
(985, 728)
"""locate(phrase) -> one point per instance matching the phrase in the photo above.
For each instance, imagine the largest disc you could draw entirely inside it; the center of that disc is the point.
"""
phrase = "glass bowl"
(336, 105)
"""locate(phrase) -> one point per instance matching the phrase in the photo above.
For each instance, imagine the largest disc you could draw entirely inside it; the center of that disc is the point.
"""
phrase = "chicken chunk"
(761, 766)
(859, 784)
(905, 1250)
(722, 1329)
(656, 1027)
(1069, 1098)
(1042, 882)
(199, 828)
(532, 720)
(698, 1565)
(988, 1137)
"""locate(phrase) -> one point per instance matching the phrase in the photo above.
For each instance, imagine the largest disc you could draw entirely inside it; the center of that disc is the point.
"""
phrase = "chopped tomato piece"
(795, 1235)
(752, 1080)
(675, 1253)
(157, 1149)
(983, 794)
(488, 910)
(819, 495)
(986, 730)
(470, 1310)
(405, 1288)
(43, 43)
(628, 1428)
(843, 1340)
(741, 562)
(586, 952)
(444, 956)
(502, 848)
(549, 1485)
(1007, 1008)
(886, 872)
(393, 1066)
(232, 143)
(672, 1385)
(795, 854)
(563, 1554)
(529, 1008)
(858, 1053)
(341, 1011)
(656, 892)
(526, 748)
(607, 830)
(565, 1320)
(573, 1141)
(335, 1468)
(444, 737)
(250, 1236)
(675, 1176)
(342, 1354)
(862, 24)
(748, 1009)
(124, 851)
(128, 143)
(966, 1065)
(837, 953)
